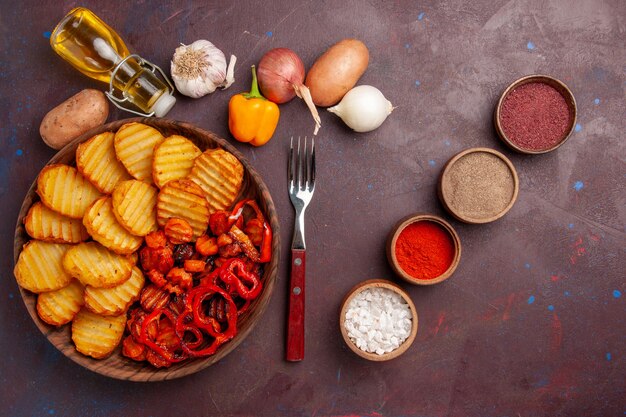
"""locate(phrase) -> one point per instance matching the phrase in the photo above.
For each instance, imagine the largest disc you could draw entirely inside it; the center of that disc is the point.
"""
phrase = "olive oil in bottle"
(93, 48)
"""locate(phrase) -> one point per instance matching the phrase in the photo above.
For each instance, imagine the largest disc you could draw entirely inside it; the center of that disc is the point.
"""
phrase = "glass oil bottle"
(93, 48)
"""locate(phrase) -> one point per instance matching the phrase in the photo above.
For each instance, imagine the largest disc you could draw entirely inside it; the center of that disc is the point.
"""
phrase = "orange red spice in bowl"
(423, 249)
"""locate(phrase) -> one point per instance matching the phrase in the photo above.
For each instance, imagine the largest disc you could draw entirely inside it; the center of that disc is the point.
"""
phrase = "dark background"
(531, 323)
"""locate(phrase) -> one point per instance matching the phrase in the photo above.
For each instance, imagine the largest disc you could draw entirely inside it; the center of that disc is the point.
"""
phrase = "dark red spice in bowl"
(535, 114)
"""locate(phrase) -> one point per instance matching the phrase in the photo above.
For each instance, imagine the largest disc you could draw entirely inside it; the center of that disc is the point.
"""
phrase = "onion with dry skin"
(281, 78)
(363, 109)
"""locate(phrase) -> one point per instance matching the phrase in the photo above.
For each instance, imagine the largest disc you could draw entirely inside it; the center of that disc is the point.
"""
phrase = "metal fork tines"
(301, 172)
(301, 186)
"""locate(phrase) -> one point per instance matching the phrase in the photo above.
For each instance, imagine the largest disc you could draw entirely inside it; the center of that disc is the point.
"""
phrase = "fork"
(301, 173)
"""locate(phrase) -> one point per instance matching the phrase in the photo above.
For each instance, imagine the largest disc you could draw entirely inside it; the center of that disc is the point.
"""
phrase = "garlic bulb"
(198, 69)
(363, 109)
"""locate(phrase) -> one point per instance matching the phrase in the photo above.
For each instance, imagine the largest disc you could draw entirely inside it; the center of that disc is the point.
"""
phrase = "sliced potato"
(63, 189)
(39, 267)
(104, 228)
(134, 146)
(134, 206)
(48, 225)
(96, 335)
(220, 174)
(95, 265)
(59, 307)
(115, 301)
(173, 159)
(96, 160)
(183, 199)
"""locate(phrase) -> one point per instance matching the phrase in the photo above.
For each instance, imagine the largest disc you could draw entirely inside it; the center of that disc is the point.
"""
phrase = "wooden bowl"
(447, 188)
(116, 365)
(552, 82)
(393, 238)
(377, 283)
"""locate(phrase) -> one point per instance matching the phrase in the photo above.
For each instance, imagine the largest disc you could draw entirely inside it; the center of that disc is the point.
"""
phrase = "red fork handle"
(295, 321)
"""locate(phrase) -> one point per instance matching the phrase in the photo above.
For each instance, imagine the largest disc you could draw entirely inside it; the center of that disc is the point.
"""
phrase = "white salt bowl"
(372, 356)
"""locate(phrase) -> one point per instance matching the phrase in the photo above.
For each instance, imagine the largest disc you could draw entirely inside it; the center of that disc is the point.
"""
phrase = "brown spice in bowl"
(479, 185)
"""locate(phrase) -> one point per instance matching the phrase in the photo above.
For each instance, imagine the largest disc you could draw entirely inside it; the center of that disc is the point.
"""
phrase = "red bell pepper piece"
(266, 244)
(234, 274)
(167, 354)
(208, 324)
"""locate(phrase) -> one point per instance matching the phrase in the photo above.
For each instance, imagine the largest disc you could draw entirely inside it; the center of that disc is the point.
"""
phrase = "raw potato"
(76, 115)
(337, 71)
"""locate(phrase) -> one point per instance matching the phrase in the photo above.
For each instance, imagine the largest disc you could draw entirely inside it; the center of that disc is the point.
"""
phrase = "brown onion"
(281, 78)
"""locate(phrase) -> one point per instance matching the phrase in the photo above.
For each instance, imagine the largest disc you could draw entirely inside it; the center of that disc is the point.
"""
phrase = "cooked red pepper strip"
(237, 212)
(166, 336)
(208, 351)
(182, 326)
(266, 245)
(189, 347)
(168, 355)
(244, 242)
(234, 273)
(210, 278)
(197, 295)
(230, 310)
(201, 320)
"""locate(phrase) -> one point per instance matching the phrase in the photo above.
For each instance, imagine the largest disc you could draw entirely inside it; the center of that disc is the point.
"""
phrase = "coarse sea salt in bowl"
(378, 320)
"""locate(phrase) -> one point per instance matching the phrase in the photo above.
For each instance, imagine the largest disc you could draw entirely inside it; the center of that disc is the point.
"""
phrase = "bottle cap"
(163, 104)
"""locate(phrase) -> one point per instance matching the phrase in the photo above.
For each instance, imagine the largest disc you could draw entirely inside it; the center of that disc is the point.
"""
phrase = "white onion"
(363, 109)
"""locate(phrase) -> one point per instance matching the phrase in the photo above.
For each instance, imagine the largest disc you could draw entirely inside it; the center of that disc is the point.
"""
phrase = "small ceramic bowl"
(393, 238)
(377, 283)
(554, 83)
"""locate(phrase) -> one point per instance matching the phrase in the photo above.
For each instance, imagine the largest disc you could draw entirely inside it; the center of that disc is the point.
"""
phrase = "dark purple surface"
(532, 322)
